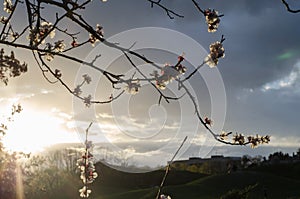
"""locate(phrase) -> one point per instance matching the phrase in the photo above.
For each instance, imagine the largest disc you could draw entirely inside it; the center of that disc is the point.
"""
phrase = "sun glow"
(32, 131)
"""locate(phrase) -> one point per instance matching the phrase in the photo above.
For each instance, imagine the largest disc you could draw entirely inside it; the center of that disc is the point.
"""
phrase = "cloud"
(290, 81)
(45, 91)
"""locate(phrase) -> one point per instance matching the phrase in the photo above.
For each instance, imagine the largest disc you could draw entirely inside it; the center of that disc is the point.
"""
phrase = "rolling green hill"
(217, 185)
(277, 181)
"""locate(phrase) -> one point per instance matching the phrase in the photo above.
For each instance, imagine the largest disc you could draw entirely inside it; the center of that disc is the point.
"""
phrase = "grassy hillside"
(277, 181)
(217, 185)
(117, 178)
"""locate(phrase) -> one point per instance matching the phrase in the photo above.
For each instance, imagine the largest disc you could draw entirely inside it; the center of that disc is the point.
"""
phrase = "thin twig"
(167, 10)
(198, 7)
(168, 168)
(288, 7)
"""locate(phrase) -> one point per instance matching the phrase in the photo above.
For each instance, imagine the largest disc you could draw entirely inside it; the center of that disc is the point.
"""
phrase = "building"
(214, 164)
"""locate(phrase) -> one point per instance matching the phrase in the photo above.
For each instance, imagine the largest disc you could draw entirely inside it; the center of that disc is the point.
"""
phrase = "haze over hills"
(128, 156)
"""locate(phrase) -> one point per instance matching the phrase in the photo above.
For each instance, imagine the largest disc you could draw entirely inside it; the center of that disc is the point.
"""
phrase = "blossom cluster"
(87, 170)
(58, 47)
(8, 6)
(133, 86)
(10, 66)
(168, 73)
(3, 19)
(87, 100)
(38, 34)
(162, 196)
(99, 31)
(224, 135)
(212, 19)
(208, 121)
(216, 51)
(254, 141)
(77, 90)
(16, 109)
(240, 139)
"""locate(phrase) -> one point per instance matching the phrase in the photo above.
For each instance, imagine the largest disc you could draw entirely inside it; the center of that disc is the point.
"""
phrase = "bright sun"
(32, 131)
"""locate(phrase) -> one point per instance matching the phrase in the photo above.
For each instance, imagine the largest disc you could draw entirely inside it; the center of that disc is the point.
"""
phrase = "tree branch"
(167, 10)
(168, 169)
(288, 7)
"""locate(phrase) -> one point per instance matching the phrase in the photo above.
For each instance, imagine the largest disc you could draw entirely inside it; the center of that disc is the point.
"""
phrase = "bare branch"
(168, 11)
(54, 74)
(288, 7)
(198, 7)
(168, 168)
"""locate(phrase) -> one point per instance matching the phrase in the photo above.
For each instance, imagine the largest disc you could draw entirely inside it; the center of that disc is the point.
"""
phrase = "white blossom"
(168, 74)
(49, 56)
(38, 35)
(8, 6)
(87, 101)
(77, 91)
(162, 196)
(59, 46)
(133, 87)
(84, 192)
(46, 28)
(216, 51)
(212, 20)
(3, 19)
(87, 78)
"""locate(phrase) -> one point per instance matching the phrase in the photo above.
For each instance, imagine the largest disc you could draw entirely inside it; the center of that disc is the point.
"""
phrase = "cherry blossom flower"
(87, 101)
(35, 35)
(87, 78)
(224, 135)
(168, 73)
(57, 73)
(265, 139)
(10, 66)
(254, 141)
(59, 46)
(216, 51)
(84, 192)
(181, 57)
(49, 56)
(74, 43)
(212, 19)
(8, 6)
(133, 87)
(16, 109)
(162, 196)
(3, 19)
(208, 121)
(45, 28)
(93, 40)
(77, 91)
(239, 138)
(99, 30)
(14, 35)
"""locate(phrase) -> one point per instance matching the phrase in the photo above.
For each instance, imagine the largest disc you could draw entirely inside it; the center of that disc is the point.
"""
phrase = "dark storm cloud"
(257, 33)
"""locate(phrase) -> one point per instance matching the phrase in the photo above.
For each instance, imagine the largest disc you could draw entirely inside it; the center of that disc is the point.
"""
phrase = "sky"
(254, 89)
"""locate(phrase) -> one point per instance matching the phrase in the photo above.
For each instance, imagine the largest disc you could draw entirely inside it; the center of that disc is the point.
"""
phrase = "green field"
(274, 181)
(280, 181)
